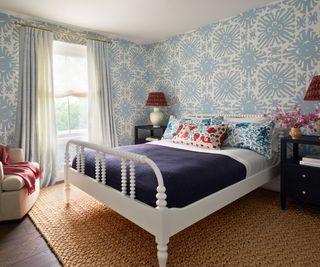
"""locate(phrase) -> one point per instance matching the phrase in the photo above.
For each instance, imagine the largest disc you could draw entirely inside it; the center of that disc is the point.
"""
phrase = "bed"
(160, 186)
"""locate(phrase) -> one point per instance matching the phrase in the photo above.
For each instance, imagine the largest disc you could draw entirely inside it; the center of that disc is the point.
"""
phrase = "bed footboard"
(153, 219)
(101, 169)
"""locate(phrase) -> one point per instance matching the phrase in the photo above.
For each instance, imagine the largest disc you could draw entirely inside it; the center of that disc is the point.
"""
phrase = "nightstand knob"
(303, 192)
(304, 176)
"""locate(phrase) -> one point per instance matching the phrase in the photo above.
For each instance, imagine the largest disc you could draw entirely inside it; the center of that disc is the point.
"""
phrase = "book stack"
(313, 161)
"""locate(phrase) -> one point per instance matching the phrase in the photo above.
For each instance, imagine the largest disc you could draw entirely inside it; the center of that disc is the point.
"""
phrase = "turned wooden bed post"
(67, 187)
(162, 238)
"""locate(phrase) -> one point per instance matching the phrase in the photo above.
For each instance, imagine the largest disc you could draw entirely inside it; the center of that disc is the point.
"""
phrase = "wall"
(128, 72)
(245, 64)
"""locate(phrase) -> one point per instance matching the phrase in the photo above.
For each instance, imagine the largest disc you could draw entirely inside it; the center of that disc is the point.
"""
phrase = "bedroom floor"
(22, 245)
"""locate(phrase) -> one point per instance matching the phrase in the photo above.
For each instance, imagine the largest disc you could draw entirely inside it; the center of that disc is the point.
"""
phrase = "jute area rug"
(252, 231)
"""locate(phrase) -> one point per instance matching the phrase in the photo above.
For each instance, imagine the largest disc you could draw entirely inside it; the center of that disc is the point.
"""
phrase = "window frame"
(70, 50)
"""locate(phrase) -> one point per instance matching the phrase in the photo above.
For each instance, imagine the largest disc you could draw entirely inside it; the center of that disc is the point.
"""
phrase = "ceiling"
(140, 21)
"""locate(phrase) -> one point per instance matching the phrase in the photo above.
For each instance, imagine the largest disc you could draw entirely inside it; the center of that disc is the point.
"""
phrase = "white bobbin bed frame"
(162, 222)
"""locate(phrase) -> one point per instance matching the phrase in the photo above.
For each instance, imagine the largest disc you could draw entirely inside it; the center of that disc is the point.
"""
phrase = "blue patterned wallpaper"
(244, 64)
(128, 71)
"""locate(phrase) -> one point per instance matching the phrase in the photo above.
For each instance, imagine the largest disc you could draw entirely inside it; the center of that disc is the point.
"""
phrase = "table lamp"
(313, 94)
(156, 100)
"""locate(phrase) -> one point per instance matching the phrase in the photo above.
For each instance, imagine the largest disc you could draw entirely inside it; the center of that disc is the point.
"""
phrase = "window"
(70, 77)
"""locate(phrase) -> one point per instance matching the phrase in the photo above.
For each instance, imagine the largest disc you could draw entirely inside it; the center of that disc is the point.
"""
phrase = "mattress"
(253, 161)
(189, 173)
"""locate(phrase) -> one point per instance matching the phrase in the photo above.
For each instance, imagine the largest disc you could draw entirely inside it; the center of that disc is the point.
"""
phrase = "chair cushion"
(12, 183)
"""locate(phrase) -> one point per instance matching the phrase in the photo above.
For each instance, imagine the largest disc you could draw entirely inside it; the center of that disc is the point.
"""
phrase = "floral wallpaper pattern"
(128, 72)
(245, 64)
(249, 63)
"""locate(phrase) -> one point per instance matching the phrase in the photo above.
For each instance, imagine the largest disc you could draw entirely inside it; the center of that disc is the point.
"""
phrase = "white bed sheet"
(253, 161)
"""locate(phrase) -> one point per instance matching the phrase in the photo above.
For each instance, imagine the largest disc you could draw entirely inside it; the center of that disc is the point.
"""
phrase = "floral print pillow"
(208, 136)
(175, 125)
(253, 136)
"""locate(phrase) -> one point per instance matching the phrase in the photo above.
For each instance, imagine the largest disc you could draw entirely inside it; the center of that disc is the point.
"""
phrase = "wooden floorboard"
(42, 259)
(21, 244)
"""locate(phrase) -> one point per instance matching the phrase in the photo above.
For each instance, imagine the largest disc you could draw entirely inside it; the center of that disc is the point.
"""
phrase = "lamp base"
(156, 117)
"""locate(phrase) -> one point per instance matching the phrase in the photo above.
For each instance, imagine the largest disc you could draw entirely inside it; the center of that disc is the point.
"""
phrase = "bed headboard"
(203, 116)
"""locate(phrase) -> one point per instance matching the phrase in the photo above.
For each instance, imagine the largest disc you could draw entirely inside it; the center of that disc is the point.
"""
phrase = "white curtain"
(101, 123)
(35, 125)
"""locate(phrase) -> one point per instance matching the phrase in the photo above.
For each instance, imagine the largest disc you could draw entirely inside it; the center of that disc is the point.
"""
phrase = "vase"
(295, 133)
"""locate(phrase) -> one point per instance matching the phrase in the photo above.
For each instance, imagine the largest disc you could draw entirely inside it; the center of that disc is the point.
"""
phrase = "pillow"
(172, 128)
(275, 135)
(216, 120)
(206, 121)
(208, 136)
(174, 123)
(253, 136)
(196, 121)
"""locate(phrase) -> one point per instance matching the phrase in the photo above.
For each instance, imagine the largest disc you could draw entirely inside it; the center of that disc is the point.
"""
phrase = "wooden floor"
(22, 245)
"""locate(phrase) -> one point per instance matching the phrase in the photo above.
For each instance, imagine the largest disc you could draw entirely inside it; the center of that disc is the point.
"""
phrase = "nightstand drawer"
(304, 192)
(305, 174)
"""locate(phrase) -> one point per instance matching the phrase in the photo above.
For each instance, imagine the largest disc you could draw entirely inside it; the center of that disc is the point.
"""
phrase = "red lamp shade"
(156, 99)
(313, 92)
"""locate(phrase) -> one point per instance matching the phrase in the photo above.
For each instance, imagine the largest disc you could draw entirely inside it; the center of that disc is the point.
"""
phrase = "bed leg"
(162, 254)
(67, 187)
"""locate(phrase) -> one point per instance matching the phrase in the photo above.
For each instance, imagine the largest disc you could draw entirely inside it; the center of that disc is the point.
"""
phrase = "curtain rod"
(64, 33)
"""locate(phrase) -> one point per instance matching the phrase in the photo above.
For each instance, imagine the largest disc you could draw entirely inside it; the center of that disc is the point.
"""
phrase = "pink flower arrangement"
(295, 118)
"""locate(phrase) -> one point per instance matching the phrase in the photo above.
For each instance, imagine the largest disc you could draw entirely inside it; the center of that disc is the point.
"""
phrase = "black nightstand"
(141, 132)
(301, 182)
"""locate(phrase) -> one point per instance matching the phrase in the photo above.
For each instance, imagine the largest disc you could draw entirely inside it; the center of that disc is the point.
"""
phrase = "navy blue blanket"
(188, 176)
